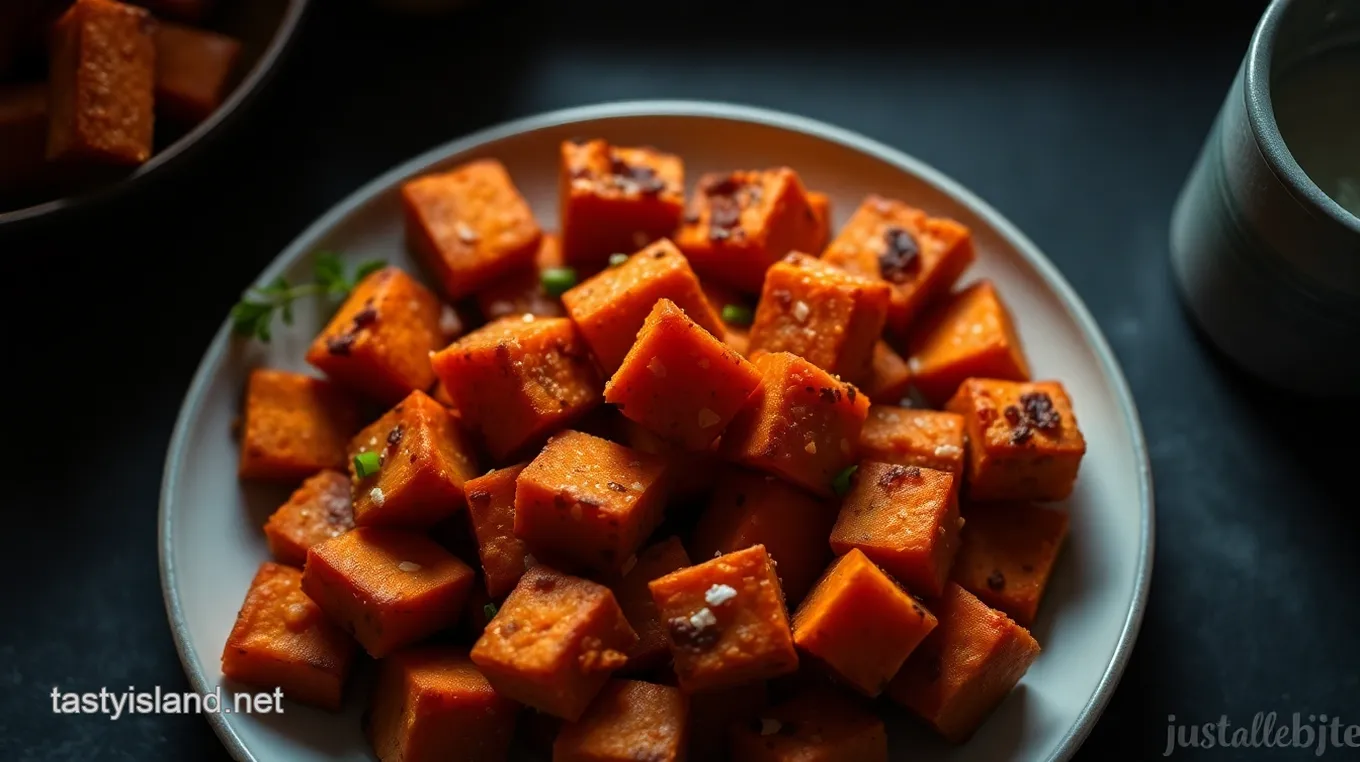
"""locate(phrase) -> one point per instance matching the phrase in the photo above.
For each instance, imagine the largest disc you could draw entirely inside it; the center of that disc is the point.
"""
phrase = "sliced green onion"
(841, 484)
(737, 314)
(490, 610)
(556, 280)
(366, 464)
(616, 260)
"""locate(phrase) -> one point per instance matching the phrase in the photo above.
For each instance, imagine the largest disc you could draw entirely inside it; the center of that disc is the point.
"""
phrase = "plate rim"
(1067, 296)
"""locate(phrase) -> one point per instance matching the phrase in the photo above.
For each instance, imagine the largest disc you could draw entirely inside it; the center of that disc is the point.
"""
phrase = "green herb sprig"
(253, 316)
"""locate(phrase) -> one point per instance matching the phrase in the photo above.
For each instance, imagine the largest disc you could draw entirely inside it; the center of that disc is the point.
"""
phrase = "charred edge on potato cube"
(1035, 411)
(900, 261)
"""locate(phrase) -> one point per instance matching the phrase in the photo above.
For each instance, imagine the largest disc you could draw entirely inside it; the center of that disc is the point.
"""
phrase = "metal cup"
(1267, 263)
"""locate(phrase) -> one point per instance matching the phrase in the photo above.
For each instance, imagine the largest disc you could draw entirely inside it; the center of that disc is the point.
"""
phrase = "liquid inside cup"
(1317, 108)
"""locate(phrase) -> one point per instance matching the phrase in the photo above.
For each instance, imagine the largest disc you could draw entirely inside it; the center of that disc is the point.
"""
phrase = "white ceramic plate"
(211, 542)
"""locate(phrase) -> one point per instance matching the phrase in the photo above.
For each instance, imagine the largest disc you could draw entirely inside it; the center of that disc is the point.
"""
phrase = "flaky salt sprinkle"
(409, 566)
(449, 324)
(377, 496)
(656, 367)
(801, 310)
(527, 317)
(719, 594)
(947, 451)
(702, 618)
(465, 232)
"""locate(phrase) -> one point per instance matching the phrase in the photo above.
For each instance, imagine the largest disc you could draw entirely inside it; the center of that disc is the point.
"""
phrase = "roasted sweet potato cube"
(756, 509)
(821, 206)
(293, 426)
(423, 458)
(680, 381)
(969, 335)
(965, 667)
(430, 701)
(102, 70)
(491, 504)
(379, 341)
(23, 135)
(823, 314)
(905, 519)
(193, 68)
(692, 473)
(920, 255)
(908, 437)
(801, 423)
(1007, 555)
(317, 511)
(282, 639)
(1023, 439)
(739, 224)
(635, 598)
(521, 292)
(516, 381)
(889, 378)
(616, 199)
(812, 727)
(469, 226)
(611, 307)
(713, 712)
(554, 642)
(726, 621)
(388, 587)
(629, 720)
(587, 502)
(860, 623)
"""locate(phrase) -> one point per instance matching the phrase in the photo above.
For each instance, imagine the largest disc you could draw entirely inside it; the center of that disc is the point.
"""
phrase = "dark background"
(1077, 121)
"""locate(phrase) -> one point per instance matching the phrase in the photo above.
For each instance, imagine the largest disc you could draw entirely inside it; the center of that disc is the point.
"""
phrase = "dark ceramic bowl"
(265, 29)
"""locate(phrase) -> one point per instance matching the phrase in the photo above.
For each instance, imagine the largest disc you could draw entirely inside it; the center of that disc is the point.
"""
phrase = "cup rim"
(1261, 117)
